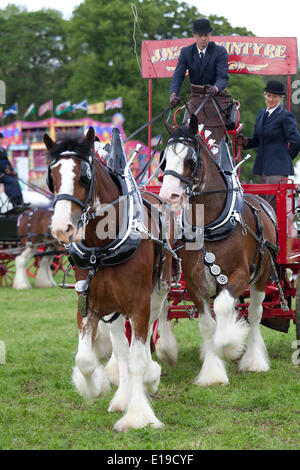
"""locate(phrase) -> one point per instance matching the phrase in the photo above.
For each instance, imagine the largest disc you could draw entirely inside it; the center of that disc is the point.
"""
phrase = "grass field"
(40, 409)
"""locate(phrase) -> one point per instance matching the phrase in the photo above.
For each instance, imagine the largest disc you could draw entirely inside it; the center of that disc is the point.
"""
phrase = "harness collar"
(227, 221)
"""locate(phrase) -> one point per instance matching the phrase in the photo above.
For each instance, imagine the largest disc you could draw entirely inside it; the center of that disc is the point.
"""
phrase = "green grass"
(40, 409)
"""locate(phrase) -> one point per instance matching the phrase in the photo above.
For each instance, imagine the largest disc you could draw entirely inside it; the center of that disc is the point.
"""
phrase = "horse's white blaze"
(175, 162)
(62, 214)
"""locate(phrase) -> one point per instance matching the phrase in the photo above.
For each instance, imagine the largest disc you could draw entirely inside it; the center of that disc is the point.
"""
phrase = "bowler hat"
(275, 87)
(202, 26)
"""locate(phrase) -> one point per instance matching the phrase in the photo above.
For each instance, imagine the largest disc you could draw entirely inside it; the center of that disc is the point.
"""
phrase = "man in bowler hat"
(207, 64)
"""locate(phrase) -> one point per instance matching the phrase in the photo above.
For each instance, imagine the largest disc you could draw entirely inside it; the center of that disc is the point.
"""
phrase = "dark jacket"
(213, 71)
(294, 150)
(271, 137)
(11, 185)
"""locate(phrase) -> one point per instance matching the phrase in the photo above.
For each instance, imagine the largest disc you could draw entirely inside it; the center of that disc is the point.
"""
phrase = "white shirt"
(270, 111)
(204, 50)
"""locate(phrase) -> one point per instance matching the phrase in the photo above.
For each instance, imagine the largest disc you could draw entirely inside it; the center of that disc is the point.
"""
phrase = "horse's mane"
(73, 144)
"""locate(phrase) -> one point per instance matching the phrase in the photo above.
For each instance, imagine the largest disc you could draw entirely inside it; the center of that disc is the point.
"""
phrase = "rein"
(148, 123)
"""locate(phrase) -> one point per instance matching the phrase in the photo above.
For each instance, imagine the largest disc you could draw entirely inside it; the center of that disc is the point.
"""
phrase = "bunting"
(113, 104)
(63, 107)
(12, 110)
(30, 110)
(96, 108)
(82, 105)
(48, 106)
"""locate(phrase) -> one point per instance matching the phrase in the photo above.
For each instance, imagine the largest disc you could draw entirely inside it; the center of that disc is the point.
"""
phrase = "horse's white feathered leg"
(44, 276)
(256, 356)
(102, 342)
(21, 280)
(139, 412)
(166, 346)
(88, 375)
(121, 351)
(213, 369)
(158, 303)
(231, 332)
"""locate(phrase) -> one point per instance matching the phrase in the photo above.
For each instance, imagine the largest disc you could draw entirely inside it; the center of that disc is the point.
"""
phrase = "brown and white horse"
(239, 237)
(34, 232)
(133, 283)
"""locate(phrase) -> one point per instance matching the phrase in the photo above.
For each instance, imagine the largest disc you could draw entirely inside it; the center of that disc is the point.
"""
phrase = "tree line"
(95, 55)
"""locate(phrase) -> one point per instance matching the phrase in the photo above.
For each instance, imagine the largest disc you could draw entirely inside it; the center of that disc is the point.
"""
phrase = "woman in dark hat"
(275, 127)
(207, 64)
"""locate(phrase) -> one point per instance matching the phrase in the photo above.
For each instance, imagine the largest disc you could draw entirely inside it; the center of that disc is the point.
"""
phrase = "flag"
(48, 106)
(12, 110)
(82, 105)
(1, 111)
(63, 107)
(30, 110)
(97, 108)
(113, 104)
(156, 140)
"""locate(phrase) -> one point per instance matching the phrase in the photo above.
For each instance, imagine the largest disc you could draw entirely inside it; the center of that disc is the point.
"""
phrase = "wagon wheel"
(34, 264)
(61, 262)
(7, 272)
(297, 313)
(58, 262)
(32, 268)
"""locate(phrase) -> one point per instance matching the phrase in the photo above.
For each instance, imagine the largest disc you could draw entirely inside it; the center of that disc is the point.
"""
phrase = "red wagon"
(10, 247)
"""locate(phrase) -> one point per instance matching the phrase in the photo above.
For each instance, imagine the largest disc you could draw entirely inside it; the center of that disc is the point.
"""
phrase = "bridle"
(194, 159)
(86, 179)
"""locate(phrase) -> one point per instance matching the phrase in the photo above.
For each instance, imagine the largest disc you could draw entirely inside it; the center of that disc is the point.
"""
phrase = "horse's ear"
(48, 142)
(168, 127)
(193, 124)
(90, 136)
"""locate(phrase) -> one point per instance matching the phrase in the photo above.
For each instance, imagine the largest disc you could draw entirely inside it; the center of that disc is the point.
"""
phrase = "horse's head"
(71, 180)
(182, 161)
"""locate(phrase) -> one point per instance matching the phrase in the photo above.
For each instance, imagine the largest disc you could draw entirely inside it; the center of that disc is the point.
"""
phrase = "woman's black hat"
(275, 87)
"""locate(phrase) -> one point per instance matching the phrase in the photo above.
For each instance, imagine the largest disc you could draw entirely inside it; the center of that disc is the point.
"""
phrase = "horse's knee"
(224, 303)
(86, 363)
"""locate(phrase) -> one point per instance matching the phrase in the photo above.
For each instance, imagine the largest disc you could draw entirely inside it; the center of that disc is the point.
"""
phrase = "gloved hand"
(242, 140)
(174, 100)
(211, 90)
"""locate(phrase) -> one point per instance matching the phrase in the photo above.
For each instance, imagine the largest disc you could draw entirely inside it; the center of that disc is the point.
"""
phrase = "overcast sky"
(270, 18)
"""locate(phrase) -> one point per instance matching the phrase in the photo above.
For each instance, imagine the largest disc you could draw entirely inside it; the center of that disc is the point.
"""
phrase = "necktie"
(266, 115)
(201, 57)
